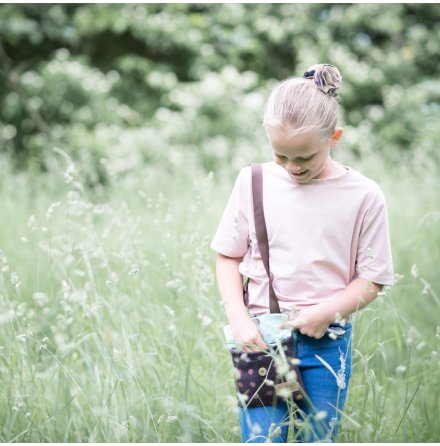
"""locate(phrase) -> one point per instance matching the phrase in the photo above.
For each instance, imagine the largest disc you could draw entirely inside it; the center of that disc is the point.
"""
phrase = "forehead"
(282, 142)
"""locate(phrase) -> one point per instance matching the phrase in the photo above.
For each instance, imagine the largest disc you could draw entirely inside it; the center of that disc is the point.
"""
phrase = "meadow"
(111, 320)
(122, 130)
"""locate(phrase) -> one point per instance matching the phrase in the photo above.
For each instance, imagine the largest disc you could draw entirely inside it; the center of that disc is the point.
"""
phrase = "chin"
(300, 179)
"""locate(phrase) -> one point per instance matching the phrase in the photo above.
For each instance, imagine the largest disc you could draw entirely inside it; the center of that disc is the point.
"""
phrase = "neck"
(332, 169)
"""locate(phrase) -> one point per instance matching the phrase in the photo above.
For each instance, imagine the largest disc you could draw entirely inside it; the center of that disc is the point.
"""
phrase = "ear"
(336, 136)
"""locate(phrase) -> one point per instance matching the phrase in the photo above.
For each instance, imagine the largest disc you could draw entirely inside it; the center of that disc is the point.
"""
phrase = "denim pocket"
(341, 345)
(337, 330)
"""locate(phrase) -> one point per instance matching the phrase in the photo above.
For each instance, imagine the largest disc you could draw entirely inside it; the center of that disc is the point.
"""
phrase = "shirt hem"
(378, 280)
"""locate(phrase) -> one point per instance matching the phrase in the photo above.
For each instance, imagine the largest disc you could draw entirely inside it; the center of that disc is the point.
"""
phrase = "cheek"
(278, 161)
(318, 162)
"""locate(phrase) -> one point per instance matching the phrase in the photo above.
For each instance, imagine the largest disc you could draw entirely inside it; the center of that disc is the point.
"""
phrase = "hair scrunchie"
(327, 78)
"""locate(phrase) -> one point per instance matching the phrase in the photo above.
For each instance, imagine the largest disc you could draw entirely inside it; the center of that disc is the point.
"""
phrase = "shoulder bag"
(265, 378)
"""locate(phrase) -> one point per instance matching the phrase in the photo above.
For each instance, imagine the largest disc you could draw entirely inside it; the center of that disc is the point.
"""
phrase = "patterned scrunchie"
(327, 78)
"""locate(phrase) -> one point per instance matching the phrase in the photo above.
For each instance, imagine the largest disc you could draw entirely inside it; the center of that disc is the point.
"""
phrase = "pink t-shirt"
(322, 235)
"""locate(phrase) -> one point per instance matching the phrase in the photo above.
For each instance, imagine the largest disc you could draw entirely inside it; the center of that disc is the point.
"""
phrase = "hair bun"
(327, 78)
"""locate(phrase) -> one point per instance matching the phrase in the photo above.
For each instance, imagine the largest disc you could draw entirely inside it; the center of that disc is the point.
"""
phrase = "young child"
(329, 249)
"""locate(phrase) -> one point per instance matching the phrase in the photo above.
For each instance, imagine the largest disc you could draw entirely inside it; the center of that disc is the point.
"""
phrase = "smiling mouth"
(298, 174)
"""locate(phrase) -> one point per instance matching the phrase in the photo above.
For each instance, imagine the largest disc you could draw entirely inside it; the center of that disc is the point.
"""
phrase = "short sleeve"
(232, 236)
(374, 257)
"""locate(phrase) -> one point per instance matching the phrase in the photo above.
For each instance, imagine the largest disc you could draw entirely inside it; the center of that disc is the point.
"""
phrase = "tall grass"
(110, 320)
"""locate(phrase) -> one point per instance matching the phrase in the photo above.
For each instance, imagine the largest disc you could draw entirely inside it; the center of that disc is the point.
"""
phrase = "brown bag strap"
(261, 230)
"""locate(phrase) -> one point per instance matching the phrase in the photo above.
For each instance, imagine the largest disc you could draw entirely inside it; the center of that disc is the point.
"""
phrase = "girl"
(329, 249)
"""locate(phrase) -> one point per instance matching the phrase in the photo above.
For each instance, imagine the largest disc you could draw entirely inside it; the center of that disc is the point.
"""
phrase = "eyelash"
(302, 159)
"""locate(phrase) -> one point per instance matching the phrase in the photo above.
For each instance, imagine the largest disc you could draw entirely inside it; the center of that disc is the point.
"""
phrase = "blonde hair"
(297, 105)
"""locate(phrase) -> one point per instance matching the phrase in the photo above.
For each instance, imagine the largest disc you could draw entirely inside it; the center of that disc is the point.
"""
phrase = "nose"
(293, 167)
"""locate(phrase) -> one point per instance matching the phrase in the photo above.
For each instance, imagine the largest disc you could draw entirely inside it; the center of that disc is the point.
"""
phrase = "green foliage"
(69, 68)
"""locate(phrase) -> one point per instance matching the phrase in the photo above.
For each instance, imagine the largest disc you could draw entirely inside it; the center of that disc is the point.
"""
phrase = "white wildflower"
(426, 289)
(332, 425)
(401, 369)
(168, 218)
(274, 430)
(18, 405)
(68, 173)
(206, 321)
(284, 392)
(321, 415)
(31, 223)
(415, 271)
(40, 299)
(22, 337)
(340, 377)
(291, 376)
(15, 280)
(78, 273)
(282, 367)
(51, 210)
(21, 309)
(176, 284)
(7, 317)
(133, 272)
(113, 279)
(169, 310)
(256, 429)
(66, 288)
(69, 260)
(398, 277)
(235, 430)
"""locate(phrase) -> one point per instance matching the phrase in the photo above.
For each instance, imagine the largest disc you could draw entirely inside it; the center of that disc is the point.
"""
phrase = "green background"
(122, 129)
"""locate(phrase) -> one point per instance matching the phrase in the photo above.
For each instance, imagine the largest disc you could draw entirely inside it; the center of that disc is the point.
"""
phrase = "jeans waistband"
(348, 319)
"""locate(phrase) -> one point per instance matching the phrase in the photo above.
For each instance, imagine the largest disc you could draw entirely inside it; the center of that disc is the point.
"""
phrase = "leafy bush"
(207, 68)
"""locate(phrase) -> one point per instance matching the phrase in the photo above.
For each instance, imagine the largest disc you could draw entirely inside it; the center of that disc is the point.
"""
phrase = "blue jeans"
(316, 418)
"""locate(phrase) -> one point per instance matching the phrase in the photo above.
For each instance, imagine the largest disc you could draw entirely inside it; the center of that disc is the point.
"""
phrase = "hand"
(246, 334)
(311, 321)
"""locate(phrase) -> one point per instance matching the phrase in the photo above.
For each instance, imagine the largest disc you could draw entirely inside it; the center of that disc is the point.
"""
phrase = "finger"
(261, 344)
(250, 349)
(257, 346)
(289, 325)
(292, 326)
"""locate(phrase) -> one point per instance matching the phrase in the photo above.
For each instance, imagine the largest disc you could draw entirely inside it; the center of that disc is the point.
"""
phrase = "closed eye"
(299, 159)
